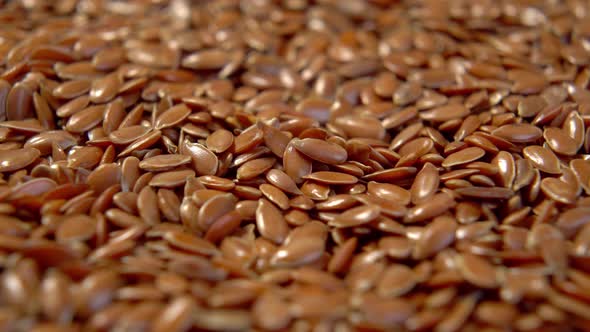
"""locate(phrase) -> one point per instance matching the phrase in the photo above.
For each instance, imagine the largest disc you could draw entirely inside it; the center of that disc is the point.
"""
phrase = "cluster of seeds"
(294, 165)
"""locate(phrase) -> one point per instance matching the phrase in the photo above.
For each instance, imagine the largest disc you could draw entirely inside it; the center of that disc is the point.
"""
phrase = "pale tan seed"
(270, 222)
(542, 158)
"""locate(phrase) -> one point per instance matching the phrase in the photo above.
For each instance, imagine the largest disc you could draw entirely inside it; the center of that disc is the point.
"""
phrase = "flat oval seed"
(172, 116)
(389, 192)
(560, 142)
(543, 159)
(275, 195)
(425, 184)
(519, 133)
(214, 208)
(190, 243)
(332, 177)
(445, 113)
(437, 205)
(558, 190)
(177, 316)
(13, 160)
(485, 192)
(164, 162)
(105, 88)
(220, 140)
(295, 164)
(171, 179)
(76, 228)
(477, 270)
(321, 151)
(439, 234)
(283, 181)
(86, 119)
(270, 222)
(205, 162)
(356, 216)
(396, 280)
(253, 168)
(463, 156)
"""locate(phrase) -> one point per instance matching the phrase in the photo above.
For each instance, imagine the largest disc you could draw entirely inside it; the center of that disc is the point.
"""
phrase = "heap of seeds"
(294, 165)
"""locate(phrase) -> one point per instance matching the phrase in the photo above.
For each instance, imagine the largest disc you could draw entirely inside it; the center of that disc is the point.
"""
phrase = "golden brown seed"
(438, 234)
(425, 184)
(356, 216)
(220, 140)
(542, 158)
(463, 156)
(270, 222)
(12, 160)
(321, 151)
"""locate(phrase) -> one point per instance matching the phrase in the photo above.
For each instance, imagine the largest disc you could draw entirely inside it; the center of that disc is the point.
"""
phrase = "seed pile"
(294, 165)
